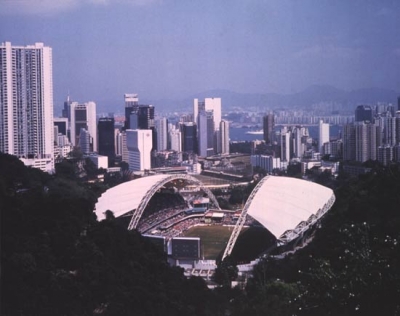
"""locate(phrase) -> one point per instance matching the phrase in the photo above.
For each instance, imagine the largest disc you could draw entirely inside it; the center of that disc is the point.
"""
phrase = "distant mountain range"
(345, 100)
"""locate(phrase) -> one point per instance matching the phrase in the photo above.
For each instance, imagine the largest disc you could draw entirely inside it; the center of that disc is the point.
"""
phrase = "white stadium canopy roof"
(281, 204)
(287, 207)
(125, 197)
(135, 194)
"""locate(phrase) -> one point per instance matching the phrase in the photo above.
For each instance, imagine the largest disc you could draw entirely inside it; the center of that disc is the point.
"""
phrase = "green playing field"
(213, 239)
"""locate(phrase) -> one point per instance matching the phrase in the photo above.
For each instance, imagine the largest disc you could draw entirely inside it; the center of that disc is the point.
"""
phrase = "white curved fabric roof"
(281, 203)
(126, 197)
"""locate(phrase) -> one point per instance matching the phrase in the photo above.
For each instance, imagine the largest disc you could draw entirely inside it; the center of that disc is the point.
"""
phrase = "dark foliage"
(351, 267)
(58, 260)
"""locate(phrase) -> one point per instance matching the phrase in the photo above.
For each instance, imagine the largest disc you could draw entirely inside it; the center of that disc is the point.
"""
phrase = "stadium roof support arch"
(285, 206)
(136, 194)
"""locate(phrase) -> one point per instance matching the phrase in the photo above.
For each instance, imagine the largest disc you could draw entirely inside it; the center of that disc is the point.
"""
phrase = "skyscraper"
(26, 108)
(189, 137)
(224, 138)
(131, 106)
(366, 141)
(139, 144)
(207, 137)
(364, 113)
(285, 144)
(106, 131)
(83, 116)
(268, 127)
(162, 134)
(323, 136)
(209, 104)
(349, 142)
(398, 103)
(206, 133)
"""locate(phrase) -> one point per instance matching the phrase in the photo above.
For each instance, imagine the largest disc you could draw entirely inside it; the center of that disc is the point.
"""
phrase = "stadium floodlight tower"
(287, 207)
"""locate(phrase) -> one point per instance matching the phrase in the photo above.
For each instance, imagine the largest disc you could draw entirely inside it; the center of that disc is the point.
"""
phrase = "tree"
(226, 272)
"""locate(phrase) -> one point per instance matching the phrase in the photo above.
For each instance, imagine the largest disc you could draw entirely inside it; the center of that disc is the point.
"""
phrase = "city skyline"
(162, 49)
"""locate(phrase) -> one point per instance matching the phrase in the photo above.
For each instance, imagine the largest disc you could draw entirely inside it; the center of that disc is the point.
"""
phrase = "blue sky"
(173, 49)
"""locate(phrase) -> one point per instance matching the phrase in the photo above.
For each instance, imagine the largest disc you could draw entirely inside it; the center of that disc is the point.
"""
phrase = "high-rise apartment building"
(162, 133)
(83, 116)
(366, 135)
(176, 140)
(385, 154)
(323, 136)
(106, 136)
(139, 144)
(285, 144)
(268, 127)
(349, 142)
(224, 137)
(26, 104)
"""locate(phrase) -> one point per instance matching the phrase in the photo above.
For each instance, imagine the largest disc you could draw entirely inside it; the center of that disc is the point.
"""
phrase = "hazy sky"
(171, 49)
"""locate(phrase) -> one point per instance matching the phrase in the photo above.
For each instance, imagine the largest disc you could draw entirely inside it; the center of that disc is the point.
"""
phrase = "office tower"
(162, 134)
(285, 144)
(105, 133)
(224, 137)
(133, 121)
(186, 118)
(139, 144)
(300, 136)
(85, 141)
(66, 110)
(209, 104)
(398, 103)
(268, 127)
(146, 117)
(323, 136)
(189, 137)
(118, 142)
(206, 133)
(131, 106)
(83, 116)
(26, 108)
(62, 125)
(125, 152)
(61, 140)
(364, 113)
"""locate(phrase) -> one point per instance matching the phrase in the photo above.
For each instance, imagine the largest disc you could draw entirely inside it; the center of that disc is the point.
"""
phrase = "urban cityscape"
(122, 200)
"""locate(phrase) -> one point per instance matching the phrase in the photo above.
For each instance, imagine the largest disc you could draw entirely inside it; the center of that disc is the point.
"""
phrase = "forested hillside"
(56, 259)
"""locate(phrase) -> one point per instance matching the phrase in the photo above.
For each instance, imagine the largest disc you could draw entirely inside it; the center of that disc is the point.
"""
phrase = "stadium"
(181, 215)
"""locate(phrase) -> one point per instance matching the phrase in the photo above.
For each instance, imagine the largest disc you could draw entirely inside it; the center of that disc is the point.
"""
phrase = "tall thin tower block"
(323, 136)
(26, 104)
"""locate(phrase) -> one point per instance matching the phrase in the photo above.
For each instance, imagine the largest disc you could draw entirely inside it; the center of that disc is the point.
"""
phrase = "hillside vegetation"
(56, 259)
